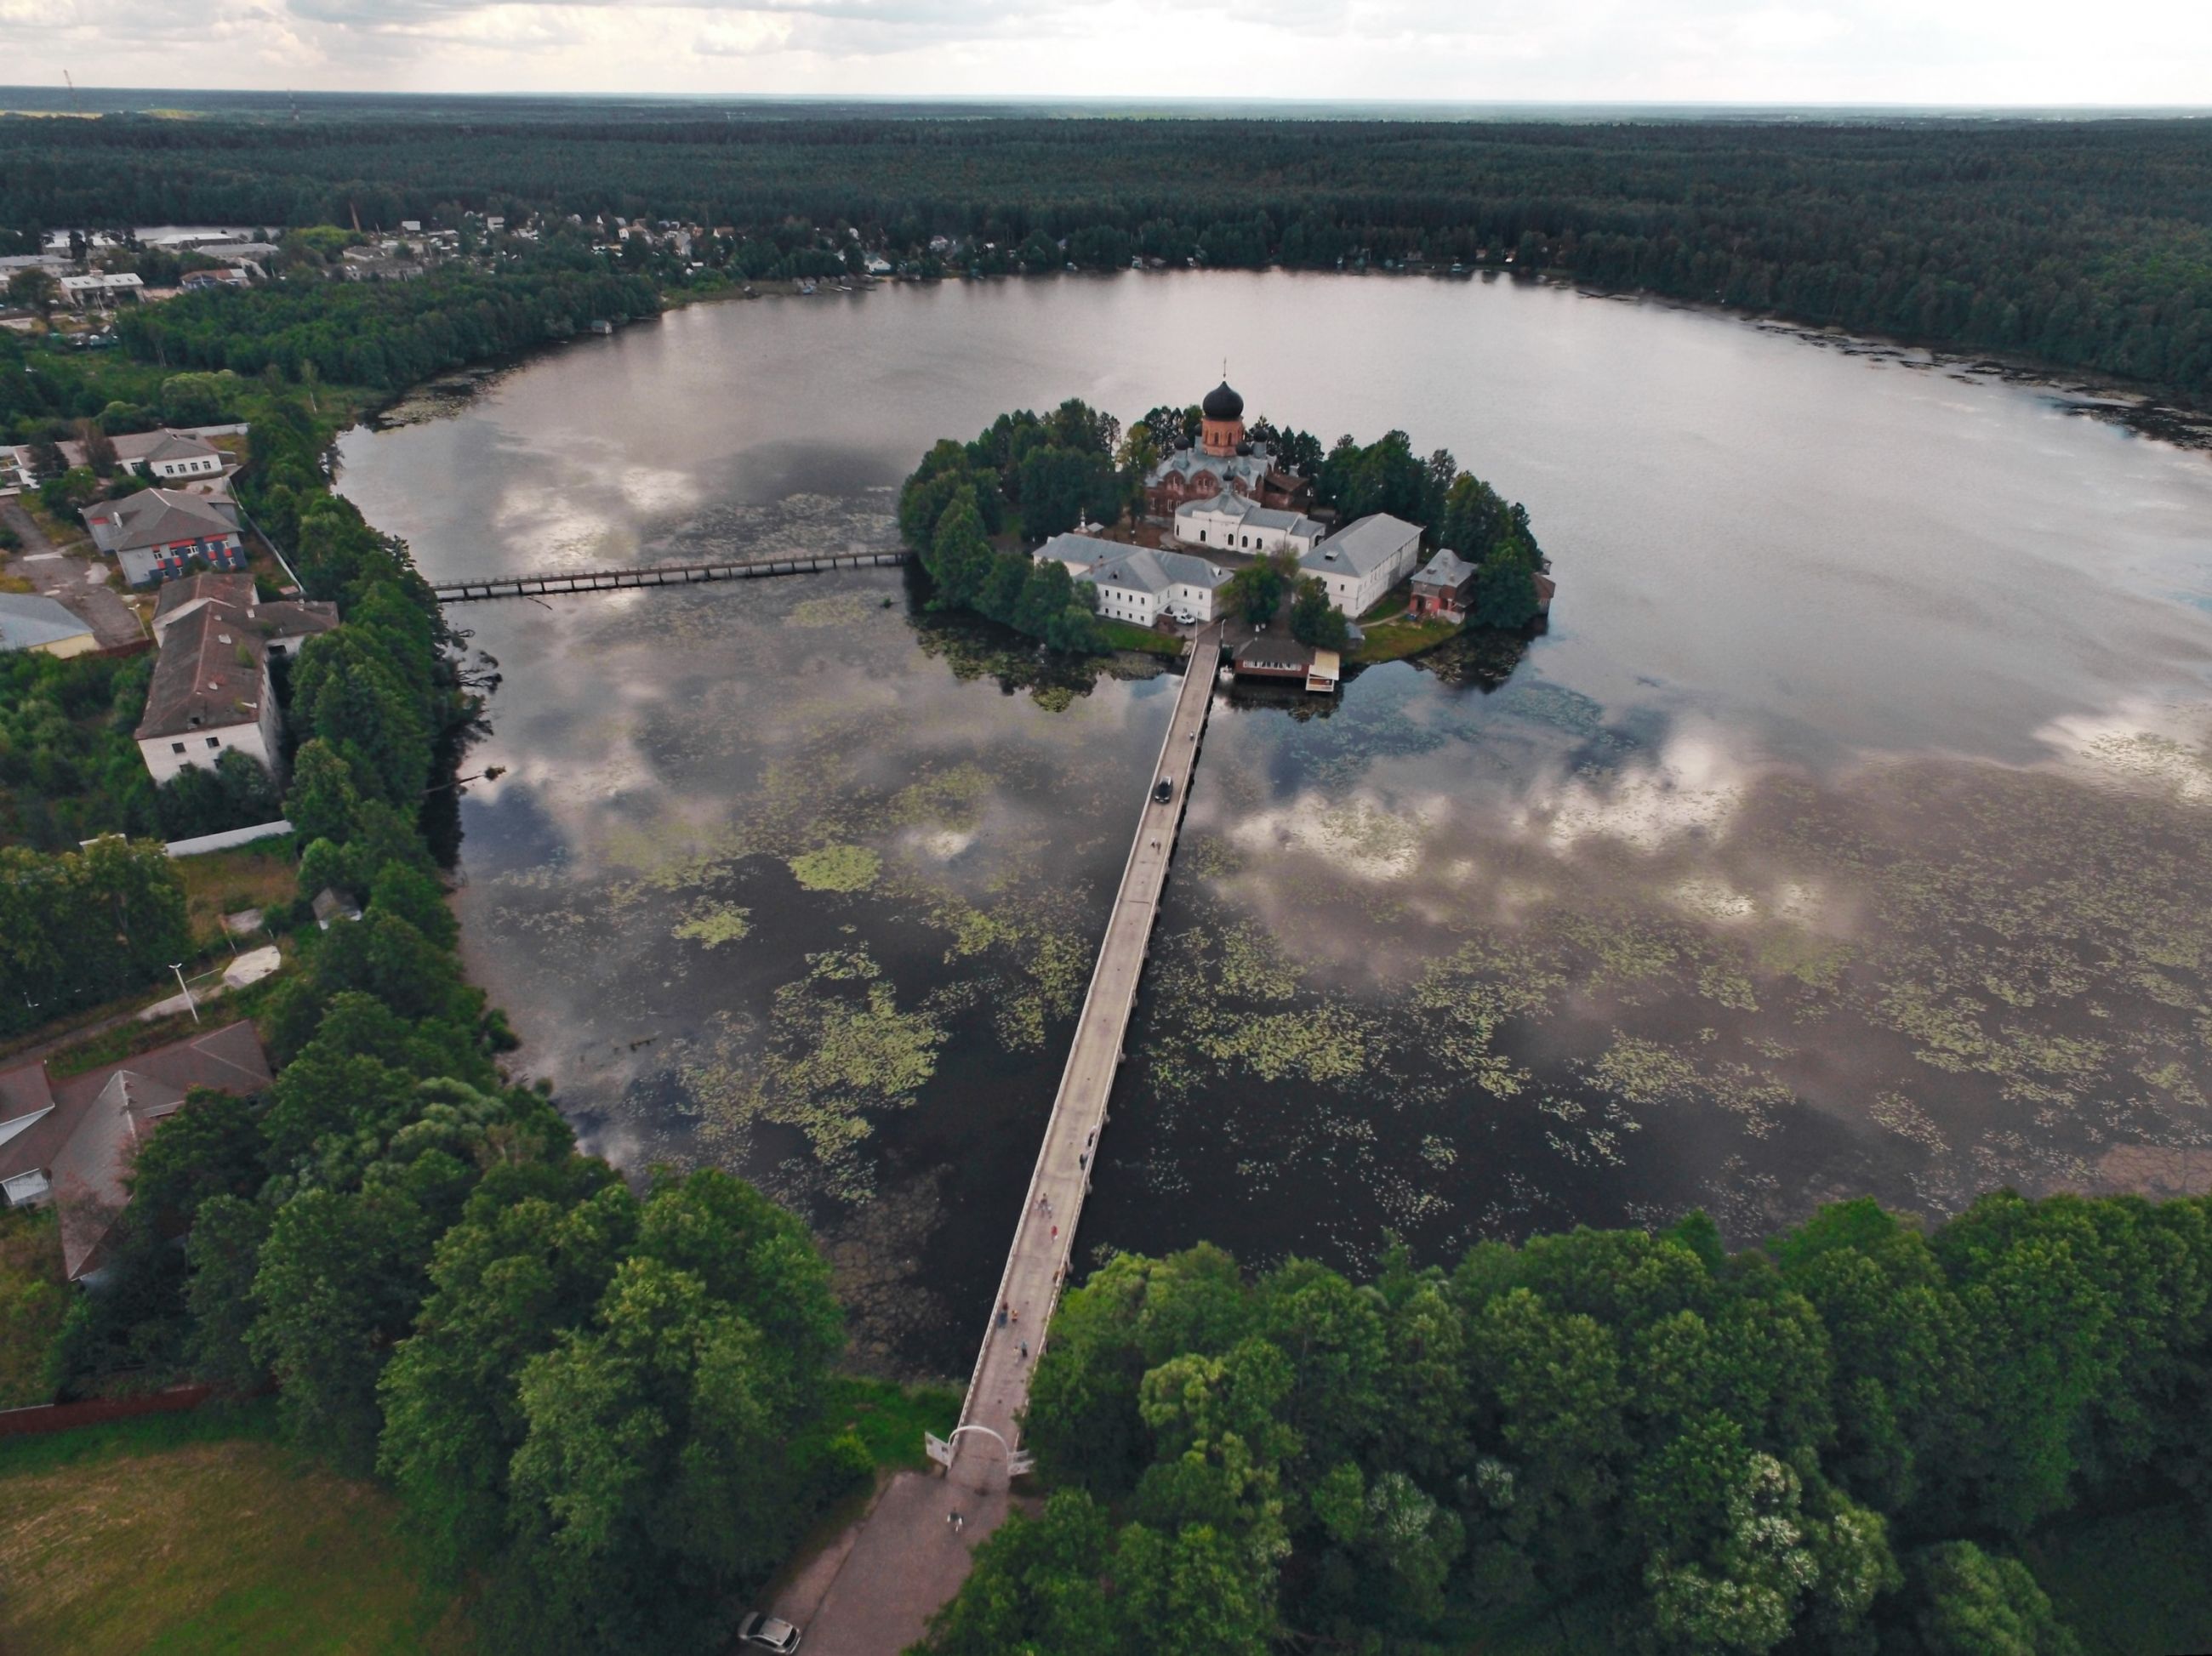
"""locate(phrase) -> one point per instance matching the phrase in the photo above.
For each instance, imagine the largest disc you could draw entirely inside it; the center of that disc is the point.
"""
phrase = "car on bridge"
(1163, 790)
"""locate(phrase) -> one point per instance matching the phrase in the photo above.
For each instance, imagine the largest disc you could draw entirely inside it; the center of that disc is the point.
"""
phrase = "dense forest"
(1833, 1443)
(2087, 245)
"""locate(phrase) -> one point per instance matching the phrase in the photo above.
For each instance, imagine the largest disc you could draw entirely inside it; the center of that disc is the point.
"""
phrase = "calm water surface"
(1850, 831)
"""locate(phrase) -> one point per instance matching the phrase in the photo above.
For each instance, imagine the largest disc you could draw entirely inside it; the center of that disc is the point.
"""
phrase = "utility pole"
(178, 967)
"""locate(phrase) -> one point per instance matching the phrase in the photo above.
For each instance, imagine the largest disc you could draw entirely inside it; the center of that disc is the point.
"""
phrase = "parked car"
(1163, 790)
(760, 1632)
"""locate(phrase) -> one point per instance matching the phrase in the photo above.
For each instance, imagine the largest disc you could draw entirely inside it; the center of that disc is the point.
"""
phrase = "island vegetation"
(2079, 244)
(970, 509)
(1839, 1441)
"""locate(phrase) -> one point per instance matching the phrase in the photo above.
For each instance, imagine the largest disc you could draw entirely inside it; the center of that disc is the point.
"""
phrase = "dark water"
(1850, 831)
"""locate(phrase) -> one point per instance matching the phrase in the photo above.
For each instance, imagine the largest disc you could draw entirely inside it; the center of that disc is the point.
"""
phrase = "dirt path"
(79, 584)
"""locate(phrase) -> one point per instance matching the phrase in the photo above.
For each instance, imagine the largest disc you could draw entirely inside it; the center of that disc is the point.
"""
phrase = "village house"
(1225, 461)
(1364, 560)
(172, 456)
(41, 625)
(1136, 584)
(1444, 586)
(72, 1143)
(194, 281)
(211, 692)
(1238, 523)
(159, 534)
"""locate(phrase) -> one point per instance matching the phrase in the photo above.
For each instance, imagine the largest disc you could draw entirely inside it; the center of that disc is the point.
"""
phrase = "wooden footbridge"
(660, 574)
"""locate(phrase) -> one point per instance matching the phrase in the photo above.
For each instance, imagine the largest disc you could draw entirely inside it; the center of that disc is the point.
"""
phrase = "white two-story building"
(211, 692)
(1364, 560)
(1136, 584)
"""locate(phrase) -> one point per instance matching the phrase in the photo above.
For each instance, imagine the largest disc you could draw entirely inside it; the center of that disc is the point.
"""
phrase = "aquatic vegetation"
(836, 868)
(713, 923)
(837, 1048)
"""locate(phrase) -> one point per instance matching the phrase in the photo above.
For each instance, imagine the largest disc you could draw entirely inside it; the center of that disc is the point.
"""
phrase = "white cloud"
(1766, 52)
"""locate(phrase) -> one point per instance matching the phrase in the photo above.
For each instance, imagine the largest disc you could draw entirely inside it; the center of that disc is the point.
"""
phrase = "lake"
(1849, 831)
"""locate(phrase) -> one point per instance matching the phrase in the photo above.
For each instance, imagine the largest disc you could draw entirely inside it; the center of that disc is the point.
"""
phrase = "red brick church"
(1225, 459)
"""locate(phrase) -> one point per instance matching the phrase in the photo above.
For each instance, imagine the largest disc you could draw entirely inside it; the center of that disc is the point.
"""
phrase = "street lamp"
(178, 967)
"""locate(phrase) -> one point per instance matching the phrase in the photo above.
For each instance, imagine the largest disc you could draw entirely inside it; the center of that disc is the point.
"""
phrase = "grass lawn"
(127, 1039)
(2131, 1586)
(1394, 640)
(890, 1419)
(35, 1297)
(264, 875)
(197, 1533)
(1126, 635)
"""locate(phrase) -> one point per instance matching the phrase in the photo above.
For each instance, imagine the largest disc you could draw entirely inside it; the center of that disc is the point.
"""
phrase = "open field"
(1394, 640)
(34, 1299)
(264, 875)
(165, 1534)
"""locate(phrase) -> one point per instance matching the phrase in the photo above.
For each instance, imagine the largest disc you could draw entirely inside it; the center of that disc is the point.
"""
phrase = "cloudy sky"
(1765, 51)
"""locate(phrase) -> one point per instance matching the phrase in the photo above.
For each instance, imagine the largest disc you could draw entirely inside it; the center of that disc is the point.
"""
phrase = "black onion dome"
(1222, 404)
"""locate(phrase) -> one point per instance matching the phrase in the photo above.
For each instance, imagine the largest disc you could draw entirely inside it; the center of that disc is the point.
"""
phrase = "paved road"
(1045, 1234)
(873, 1591)
(79, 584)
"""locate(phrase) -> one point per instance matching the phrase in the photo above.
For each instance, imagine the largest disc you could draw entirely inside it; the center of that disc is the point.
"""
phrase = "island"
(1068, 530)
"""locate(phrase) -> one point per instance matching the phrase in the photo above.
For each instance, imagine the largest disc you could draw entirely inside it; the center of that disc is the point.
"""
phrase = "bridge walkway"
(1044, 1235)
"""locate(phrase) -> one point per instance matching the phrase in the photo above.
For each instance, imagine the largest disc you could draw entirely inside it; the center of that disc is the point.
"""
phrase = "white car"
(760, 1632)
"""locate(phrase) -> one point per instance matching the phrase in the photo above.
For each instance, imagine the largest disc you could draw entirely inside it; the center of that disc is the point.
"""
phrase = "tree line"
(611, 1403)
(2085, 244)
(1834, 1442)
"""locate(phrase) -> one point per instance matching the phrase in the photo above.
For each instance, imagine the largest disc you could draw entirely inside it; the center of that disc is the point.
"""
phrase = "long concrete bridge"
(873, 1591)
(986, 1448)
(660, 574)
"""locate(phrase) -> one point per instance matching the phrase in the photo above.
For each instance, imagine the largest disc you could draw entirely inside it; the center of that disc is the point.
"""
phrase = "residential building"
(193, 281)
(1238, 523)
(1136, 584)
(1364, 560)
(172, 456)
(101, 288)
(33, 623)
(72, 1143)
(211, 692)
(1444, 586)
(281, 625)
(159, 534)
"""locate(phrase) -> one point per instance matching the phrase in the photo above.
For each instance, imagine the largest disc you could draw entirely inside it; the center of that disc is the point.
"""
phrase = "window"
(214, 742)
(176, 747)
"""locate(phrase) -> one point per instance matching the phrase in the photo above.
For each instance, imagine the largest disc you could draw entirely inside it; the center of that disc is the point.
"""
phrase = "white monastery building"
(1136, 584)
(1364, 560)
(1238, 523)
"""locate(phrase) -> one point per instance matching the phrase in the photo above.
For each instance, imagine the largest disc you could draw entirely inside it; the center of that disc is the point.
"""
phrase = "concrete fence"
(228, 837)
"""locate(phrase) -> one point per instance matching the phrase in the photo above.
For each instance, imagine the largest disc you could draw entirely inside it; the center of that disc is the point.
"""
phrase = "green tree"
(1315, 618)
(1974, 1603)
